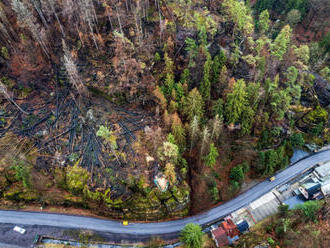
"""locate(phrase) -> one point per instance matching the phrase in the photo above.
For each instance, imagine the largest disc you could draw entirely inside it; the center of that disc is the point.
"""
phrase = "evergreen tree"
(253, 97)
(236, 101)
(218, 108)
(236, 173)
(281, 43)
(169, 78)
(212, 156)
(247, 120)
(223, 79)
(263, 24)
(297, 140)
(280, 102)
(179, 134)
(239, 14)
(205, 87)
(192, 49)
(194, 105)
(218, 62)
(185, 77)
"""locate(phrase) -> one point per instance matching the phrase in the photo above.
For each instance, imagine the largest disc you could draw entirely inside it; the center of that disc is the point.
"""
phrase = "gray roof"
(323, 170)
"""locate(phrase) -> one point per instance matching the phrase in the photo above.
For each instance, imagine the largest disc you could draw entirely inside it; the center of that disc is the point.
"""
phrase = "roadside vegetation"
(304, 226)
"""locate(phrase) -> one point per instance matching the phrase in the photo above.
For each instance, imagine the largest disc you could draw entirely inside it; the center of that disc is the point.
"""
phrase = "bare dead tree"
(6, 30)
(72, 71)
(4, 91)
(27, 20)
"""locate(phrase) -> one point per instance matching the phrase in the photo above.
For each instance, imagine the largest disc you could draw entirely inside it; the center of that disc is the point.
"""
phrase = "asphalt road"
(166, 228)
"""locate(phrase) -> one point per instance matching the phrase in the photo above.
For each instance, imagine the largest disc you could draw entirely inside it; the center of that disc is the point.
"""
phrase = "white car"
(19, 229)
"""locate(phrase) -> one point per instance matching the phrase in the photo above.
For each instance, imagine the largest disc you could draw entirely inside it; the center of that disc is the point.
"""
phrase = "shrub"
(77, 178)
(297, 140)
(4, 52)
(22, 173)
(283, 210)
(236, 173)
(309, 210)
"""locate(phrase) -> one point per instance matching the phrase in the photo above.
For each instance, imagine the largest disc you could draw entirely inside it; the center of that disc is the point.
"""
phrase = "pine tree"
(205, 87)
(223, 79)
(239, 14)
(281, 43)
(253, 95)
(218, 108)
(236, 173)
(218, 62)
(236, 101)
(185, 77)
(194, 105)
(192, 49)
(264, 21)
(212, 156)
(178, 131)
(169, 78)
(247, 120)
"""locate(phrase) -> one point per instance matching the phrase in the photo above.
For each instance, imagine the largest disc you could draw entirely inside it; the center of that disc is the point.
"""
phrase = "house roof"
(220, 236)
(230, 228)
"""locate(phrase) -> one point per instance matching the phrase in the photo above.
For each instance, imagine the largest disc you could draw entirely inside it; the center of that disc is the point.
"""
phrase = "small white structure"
(19, 229)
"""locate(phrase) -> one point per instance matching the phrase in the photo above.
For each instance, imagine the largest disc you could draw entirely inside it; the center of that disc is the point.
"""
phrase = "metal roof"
(323, 170)
(325, 188)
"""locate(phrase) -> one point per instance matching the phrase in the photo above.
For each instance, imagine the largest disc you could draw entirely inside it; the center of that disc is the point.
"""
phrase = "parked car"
(19, 229)
(272, 178)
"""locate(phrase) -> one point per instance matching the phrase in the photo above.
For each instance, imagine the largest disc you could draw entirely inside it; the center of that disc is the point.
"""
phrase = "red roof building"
(230, 228)
(225, 234)
(220, 237)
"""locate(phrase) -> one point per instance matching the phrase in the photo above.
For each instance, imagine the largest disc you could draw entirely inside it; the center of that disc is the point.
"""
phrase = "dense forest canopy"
(100, 97)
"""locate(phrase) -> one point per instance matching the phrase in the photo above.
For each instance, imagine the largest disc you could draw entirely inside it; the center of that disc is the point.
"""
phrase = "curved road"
(169, 227)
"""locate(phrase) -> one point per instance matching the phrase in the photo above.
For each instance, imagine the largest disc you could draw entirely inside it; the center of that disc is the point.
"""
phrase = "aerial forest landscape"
(146, 111)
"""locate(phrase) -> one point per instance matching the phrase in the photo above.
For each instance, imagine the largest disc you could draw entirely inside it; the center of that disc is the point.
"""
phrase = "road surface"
(166, 228)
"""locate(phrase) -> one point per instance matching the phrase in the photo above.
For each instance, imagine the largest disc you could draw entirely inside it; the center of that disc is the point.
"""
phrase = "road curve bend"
(166, 227)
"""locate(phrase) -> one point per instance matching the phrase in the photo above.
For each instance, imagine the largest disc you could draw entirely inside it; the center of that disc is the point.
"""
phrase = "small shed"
(242, 226)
